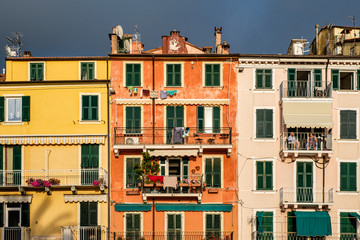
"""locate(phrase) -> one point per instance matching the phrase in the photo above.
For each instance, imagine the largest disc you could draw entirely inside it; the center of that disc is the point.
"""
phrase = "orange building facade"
(178, 103)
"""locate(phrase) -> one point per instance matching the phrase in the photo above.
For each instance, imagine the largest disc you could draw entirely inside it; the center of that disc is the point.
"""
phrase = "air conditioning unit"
(131, 140)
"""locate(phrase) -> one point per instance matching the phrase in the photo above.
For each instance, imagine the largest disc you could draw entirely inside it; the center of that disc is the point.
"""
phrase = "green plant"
(148, 166)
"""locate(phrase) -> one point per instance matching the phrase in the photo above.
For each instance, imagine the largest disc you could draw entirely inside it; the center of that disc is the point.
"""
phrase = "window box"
(183, 185)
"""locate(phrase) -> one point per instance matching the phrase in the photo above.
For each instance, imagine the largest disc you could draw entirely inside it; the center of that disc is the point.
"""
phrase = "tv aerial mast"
(13, 48)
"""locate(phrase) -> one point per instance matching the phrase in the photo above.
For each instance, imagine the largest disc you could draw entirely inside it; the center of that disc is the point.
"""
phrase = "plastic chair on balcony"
(211, 140)
(197, 138)
(311, 142)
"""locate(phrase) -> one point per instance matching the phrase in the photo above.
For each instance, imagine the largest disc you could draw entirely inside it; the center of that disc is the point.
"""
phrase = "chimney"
(27, 54)
(207, 49)
(217, 34)
(317, 39)
(225, 47)
(174, 32)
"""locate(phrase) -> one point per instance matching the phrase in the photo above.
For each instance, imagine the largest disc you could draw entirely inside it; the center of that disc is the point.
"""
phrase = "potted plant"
(54, 181)
(184, 183)
(148, 166)
(98, 182)
(195, 183)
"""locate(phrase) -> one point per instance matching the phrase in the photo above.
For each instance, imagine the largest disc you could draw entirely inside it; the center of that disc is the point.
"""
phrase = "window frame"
(272, 79)
(98, 213)
(213, 213)
(273, 139)
(339, 211)
(343, 140)
(6, 120)
(181, 72)
(204, 74)
(347, 177)
(204, 120)
(81, 121)
(354, 83)
(176, 213)
(141, 220)
(125, 167)
(44, 71)
(339, 192)
(141, 118)
(274, 219)
(221, 170)
(141, 73)
(95, 68)
(272, 176)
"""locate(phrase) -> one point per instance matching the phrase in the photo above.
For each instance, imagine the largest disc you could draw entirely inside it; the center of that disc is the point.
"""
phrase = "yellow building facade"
(54, 148)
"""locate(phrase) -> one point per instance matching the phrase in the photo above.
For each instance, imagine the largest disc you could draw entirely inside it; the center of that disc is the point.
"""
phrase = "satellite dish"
(127, 46)
(119, 31)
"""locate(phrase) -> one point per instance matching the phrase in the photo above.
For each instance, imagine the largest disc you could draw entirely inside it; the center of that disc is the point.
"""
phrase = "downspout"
(153, 100)
(108, 145)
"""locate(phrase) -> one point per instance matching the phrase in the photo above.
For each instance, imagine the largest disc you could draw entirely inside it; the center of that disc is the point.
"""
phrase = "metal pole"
(153, 230)
(153, 100)
(323, 194)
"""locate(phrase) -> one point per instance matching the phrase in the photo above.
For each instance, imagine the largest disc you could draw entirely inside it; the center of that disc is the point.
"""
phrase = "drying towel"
(177, 135)
(146, 92)
(135, 90)
(141, 93)
(170, 181)
(172, 92)
(156, 178)
(163, 95)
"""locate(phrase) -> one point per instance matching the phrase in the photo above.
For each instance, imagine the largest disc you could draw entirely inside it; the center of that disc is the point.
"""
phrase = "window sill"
(348, 140)
(264, 191)
(90, 122)
(347, 91)
(213, 87)
(264, 140)
(264, 90)
(347, 193)
(13, 123)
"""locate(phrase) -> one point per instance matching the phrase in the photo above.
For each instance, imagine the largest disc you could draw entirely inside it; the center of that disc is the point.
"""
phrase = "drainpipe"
(323, 190)
(153, 100)
(317, 39)
(108, 149)
(153, 232)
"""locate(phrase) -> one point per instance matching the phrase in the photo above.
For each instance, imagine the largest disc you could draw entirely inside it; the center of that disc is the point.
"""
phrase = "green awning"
(354, 214)
(259, 216)
(194, 207)
(133, 207)
(313, 224)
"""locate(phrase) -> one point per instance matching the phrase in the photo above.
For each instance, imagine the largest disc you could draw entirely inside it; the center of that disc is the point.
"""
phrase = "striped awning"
(16, 199)
(51, 140)
(174, 153)
(85, 198)
(133, 101)
(206, 102)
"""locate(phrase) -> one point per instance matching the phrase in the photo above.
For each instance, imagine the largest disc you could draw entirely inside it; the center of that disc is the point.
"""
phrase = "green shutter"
(348, 124)
(317, 77)
(169, 75)
(260, 118)
(2, 109)
(268, 123)
(94, 108)
(177, 72)
(133, 75)
(40, 72)
(1, 159)
(137, 75)
(347, 224)
(208, 172)
(212, 74)
(84, 214)
(133, 119)
(216, 172)
(129, 81)
(94, 156)
(259, 175)
(291, 219)
(173, 75)
(216, 75)
(209, 222)
(137, 119)
(259, 78)
(217, 222)
(85, 107)
(129, 222)
(93, 214)
(185, 163)
(267, 222)
(171, 222)
(83, 71)
(335, 78)
(131, 176)
(36, 71)
(268, 79)
(17, 157)
(1, 214)
(91, 71)
(200, 119)
(25, 215)
(85, 155)
(32, 72)
(358, 79)
(179, 116)
(216, 119)
(264, 176)
(268, 176)
(291, 82)
(136, 221)
(25, 109)
(348, 176)
(352, 125)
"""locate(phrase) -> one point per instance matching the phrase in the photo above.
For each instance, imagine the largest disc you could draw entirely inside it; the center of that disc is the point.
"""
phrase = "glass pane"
(14, 109)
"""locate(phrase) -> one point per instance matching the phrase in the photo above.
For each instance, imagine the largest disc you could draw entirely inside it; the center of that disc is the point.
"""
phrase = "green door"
(174, 118)
(348, 226)
(174, 226)
(304, 182)
(133, 226)
(89, 163)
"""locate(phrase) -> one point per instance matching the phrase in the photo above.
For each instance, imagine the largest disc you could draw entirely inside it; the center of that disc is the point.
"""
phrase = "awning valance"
(207, 102)
(52, 140)
(16, 199)
(132, 207)
(194, 207)
(354, 214)
(174, 153)
(313, 224)
(85, 198)
(308, 114)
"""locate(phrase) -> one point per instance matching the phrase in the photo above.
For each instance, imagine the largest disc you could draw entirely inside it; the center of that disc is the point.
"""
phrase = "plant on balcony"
(38, 182)
(148, 166)
(98, 182)
(54, 181)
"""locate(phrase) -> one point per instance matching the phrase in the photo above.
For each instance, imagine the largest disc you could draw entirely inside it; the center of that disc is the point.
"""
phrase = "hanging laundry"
(172, 92)
(146, 92)
(130, 90)
(135, 90)
(163, 95)
(141, 93)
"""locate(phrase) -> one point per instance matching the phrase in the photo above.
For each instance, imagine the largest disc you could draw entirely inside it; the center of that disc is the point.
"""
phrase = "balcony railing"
(303, 142)
(294, 236)
(305, 89)
(12, 233)
(84, 233)
(172, 235)
(306, 196)
(171, 136)
(59, 177)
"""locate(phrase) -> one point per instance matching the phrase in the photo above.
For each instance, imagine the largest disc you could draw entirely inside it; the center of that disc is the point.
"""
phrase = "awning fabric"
(174, 153)
(308, 115)
(354, 214)
(194, 207)
(85, 198)
(259, 216)
(16, 199)
(133, 207)
(313, 224)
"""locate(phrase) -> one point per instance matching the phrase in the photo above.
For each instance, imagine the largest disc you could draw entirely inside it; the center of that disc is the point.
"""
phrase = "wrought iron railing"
(187, 136)
(172, 235)
(56, 177)
(305, 89)
(294, 236)
(303, 141)
(84, 233)
(306, 195)
(15, 233)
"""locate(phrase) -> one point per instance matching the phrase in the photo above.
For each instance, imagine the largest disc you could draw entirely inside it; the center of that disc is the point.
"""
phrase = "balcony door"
(175, 167)
(10, 161)
(17, 215)
(89, 163)
(174, 118)
(89, 228)
(174, 226)
(304, 182)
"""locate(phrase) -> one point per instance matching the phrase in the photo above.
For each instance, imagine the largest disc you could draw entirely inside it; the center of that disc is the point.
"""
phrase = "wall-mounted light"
(192, 65)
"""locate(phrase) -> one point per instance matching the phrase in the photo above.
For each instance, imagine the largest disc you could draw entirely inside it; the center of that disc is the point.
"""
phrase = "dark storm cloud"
(81, 27)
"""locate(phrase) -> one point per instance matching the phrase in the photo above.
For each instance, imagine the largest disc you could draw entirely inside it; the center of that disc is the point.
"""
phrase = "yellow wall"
(55, 70)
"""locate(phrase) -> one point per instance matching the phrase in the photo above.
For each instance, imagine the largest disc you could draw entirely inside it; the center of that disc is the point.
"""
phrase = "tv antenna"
(13, 49)
(137, 37)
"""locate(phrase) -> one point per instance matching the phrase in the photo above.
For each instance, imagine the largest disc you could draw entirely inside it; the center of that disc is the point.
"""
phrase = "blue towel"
(172, 92)
(163, 95)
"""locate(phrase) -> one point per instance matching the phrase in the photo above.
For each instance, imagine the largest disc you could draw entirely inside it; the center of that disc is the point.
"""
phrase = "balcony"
(172, 138)
(294, 236)
(306, 197)
(55, 178)
(304, 146)
(172, 186)
(305, 89)
(176, 235)
(18, 233)
(84, 233)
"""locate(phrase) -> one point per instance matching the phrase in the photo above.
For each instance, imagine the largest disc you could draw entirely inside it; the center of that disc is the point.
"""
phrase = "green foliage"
(148, 166)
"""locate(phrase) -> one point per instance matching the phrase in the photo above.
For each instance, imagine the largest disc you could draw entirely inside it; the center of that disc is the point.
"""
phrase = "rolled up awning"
(308, 114)
(194, 207)
(132, 207)
(70, 198)
(174, 153)
(16, 199)
(313, 224)
(354, 214)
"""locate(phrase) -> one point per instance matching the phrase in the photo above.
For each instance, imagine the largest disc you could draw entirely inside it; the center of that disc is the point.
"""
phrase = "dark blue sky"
(81, 27)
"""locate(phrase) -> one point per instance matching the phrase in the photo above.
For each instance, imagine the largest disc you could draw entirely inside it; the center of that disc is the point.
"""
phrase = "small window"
(173, 75)
(263, 79)
(17, 109)
(133, 119)
(208, 119)
(133, 75)
(342, 80)
(213, 226)
(90, 108)
(87, 70)
(36, 71)
(213, 172)
(264, 123)
(88, 217)
(347, 176)
(132, 178)
(212, 75)
(264, 176)
(174, 227)
(348, 124)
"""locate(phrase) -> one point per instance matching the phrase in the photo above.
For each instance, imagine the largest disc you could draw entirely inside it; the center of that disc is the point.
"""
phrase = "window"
(90, 109)
(174, 226)
(264, 176)
(208, 119)
(89, 163)
(317, 78)
(348, 226)
(347, 176)
(348, 124)
(173, 75)
(36, 71)
(133, 226)
(10, 160)
(212, 75)
(213, 226)
(16, 214)
(131, 176)
(264, 225)
(213, 172)
(264, 123)
(342, 80)
(88, 214)
(263, 79)
(87, 70)
(17, 109)
(133, 119)
(174, 118)
(133, 75)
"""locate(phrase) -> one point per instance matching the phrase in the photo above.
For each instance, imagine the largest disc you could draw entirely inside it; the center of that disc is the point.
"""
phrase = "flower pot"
(183, 185)
(148, 184)
(195, 185)
(157, 184)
